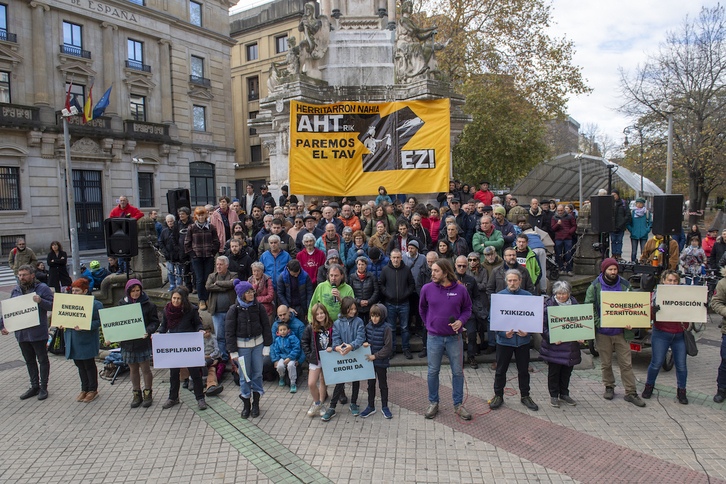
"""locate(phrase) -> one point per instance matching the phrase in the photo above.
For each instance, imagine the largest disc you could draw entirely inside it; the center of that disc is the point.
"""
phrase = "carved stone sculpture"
(315, 36)
(291, 66)
(415, 48)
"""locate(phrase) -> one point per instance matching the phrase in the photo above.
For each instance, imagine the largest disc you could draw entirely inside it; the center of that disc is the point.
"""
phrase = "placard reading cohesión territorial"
(122, 323)
(621, 309)
(523, 313)
(178, 350)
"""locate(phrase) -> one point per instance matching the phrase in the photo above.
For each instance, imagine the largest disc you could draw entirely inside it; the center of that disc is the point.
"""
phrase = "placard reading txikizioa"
(571, 323)
(351, 148)
(352, 366)
(20, 312)
(523, 313)
(620, 309)
(122, 323)
(178, 350)
(682, 304)
(71, 310)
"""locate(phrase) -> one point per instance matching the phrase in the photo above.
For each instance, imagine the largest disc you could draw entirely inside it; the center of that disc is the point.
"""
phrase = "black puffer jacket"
(397, 283)
(249, 322)
(169, 243)
(364, 290)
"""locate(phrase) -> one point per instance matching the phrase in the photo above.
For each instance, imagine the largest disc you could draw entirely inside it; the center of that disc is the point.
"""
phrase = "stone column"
(109, 67)
(326, 8)
(167, 114)
(40, 74)
(391, 14)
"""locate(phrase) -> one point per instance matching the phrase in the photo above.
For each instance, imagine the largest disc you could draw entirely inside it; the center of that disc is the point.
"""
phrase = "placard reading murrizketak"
(20, 313)
(178, 350)
(523, 313)
(71, 310)
(682, 304)
(620, 309)
(122, 323)
(353, 366)
(571, 323)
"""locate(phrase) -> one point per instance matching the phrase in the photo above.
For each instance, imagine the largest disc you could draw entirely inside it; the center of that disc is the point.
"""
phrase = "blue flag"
(102, 103)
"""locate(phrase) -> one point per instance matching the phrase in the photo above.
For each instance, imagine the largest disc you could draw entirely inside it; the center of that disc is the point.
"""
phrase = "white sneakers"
(314, 409)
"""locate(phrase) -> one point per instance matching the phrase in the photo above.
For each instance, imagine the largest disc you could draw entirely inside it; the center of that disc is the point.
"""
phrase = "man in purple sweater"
(443, 305)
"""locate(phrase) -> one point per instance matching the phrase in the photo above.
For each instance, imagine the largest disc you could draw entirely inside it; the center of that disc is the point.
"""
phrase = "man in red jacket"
(124, 209)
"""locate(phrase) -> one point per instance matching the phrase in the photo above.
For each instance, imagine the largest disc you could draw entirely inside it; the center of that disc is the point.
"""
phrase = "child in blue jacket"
(285, 351)
(349, 334)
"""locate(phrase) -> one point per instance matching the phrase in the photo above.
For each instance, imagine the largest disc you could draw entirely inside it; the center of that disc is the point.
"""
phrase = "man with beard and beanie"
(504, 226)
(613, 339)
(33, 340)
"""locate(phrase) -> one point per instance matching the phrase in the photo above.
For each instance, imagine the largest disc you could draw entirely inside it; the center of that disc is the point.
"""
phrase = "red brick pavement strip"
(575, 454)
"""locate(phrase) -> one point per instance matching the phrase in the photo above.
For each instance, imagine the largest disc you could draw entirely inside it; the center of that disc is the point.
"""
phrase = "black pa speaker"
(667, 214)
(603, 218)
(121, 237)
(177, 199)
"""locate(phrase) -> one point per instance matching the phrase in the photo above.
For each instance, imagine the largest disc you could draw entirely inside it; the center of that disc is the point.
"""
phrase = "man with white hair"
(221, 296)
(275, 260)
(329, 218)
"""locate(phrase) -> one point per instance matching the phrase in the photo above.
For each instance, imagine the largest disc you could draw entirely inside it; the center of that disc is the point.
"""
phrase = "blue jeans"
(660, 341)
(616, 243)
(253, 363)
(203, 266)
(634, 248)
(452, 345)
(692, 280)
(174, 272)
(219, 323)
(564, 258)
(721, 379)
(401, 311)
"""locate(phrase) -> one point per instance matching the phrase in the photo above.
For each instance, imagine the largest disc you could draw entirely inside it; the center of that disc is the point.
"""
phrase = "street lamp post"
(626, 132)
(669, 110)
(65, 114)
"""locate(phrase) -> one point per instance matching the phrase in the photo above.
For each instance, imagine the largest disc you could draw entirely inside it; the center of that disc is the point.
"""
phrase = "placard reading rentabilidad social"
(571, 323)
(122, 323)
(178, 350)
(682, 304)
(20, 313)
(353, 366)
(523, 313)
(620, 309)
(71, 310)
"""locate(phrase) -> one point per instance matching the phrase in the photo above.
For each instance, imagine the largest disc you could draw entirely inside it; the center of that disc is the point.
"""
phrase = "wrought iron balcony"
(74, 51)
(134, 64)
(8, 37)
(202, 81)
(253, 96)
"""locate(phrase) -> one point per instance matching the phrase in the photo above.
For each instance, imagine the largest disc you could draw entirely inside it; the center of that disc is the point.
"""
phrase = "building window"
(3, 17)
(4, 87)
(195, 13)
(281, 44)
(255, 153)
(136, 54)
(253, 115)
(251, 52)
(146, 189)
(9, 188)
(78, 95)
(253, 88)
(201, 186)
(138, 107)
(199, 113)
(198, 67)
(72, 35)
(137, 2)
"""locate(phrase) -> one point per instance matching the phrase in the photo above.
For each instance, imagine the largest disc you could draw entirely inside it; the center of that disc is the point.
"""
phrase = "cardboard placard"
(20, 312)
(122, 323)
(178, 350)
(523, 313)
(620, 309)
(71, 310)
(353, 366)
(571, 323)
(682, 304)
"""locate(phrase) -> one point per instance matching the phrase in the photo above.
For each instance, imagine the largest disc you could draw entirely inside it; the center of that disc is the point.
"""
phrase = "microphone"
(335, 299)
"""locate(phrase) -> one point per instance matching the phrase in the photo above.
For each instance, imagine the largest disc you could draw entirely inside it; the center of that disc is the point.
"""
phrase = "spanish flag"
(88, 107)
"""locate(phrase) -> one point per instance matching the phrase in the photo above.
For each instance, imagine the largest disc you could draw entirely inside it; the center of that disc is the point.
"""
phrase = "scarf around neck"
(639, 212)
(173, 315)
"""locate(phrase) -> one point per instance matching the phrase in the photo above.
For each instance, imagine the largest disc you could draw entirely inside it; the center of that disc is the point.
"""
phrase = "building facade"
(261, 36)
(168, 123)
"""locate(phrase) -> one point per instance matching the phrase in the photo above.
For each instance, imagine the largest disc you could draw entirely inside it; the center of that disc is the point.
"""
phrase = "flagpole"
(71, 202)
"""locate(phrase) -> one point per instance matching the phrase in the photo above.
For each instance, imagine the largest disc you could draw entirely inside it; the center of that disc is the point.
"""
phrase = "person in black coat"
(396, 285)
(41, 273)
(561, 357)
(181, 316)
(137, 352)
(248, 336)
(365, 288)
(239, 260)
(185, 262)
(57, 267)
(169, 245)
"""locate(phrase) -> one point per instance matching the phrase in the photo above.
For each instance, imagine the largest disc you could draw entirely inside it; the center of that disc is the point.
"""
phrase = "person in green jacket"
(613, 339)
(488, 236)
(527, 258)
(331, 292)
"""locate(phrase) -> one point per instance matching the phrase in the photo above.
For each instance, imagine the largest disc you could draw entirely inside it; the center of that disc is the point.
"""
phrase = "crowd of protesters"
(285, 280)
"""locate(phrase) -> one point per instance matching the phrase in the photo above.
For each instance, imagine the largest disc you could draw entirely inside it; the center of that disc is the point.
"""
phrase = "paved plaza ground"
(59, 440)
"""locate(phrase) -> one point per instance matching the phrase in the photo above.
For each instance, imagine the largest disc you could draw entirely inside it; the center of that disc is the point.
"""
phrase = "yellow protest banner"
(349, 148)
(71, 310)
(621, 309)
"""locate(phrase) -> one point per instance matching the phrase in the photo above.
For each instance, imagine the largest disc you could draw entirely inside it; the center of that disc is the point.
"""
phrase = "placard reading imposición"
(682, 304)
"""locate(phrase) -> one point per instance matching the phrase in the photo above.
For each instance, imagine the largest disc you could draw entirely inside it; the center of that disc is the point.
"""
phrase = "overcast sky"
(607, 35)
